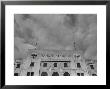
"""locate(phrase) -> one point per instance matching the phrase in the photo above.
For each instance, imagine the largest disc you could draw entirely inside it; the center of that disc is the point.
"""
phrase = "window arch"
(66, 74)
(44, 74)
(55, 74)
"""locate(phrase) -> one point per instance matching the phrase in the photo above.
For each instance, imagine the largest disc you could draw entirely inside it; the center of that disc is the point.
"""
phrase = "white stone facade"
(45, 62)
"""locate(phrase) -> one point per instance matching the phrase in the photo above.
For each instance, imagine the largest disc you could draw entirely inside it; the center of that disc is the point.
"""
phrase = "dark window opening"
(94, 75)
(44, 74)
(44, 64)
(66, 74)
(82, 74)
(18, 66)
(55, 64)
(55, 74)
(32, 73)
(92, 67)
(78, 65)
(65, 65)
(15, 74)
(28, 73)
(78, 74)
(32, 64)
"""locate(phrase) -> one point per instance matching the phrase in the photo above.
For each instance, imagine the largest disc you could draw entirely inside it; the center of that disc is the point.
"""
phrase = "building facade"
(45, 62)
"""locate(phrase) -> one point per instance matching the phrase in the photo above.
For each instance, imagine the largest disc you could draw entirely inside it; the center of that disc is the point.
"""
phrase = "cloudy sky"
(56, 31)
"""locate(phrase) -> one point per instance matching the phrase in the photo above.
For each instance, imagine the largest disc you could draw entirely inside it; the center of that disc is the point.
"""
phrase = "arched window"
(16, 74)
(66, 74)
(44, 74)
(94, 75)
(55, 74)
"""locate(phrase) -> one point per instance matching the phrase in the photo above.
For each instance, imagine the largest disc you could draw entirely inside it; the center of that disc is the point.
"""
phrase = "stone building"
(47, 62)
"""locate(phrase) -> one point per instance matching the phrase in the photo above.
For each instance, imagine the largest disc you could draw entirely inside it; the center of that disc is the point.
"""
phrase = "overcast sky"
(56, 32)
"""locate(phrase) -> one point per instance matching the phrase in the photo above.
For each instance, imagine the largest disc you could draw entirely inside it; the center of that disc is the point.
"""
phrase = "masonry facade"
(45, 62)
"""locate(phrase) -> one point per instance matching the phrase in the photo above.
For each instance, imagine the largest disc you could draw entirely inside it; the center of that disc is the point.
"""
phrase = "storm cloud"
(56, 31)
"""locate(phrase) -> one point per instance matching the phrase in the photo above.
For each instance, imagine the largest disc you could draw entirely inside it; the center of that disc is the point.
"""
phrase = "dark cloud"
(59, 31)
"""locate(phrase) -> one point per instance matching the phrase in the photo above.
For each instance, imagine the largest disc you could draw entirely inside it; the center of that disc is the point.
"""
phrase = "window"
(66, 74)
(78, 65)
(18, 66)
(65, 65)
(28, 73)
(92, 67)
(44, 64)
(78, 74)
(55, 64)
(44, 74)
(32, 64)
(94, 75)
(32, 73)
(55, 74)
(82, 74)
(15, 74)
